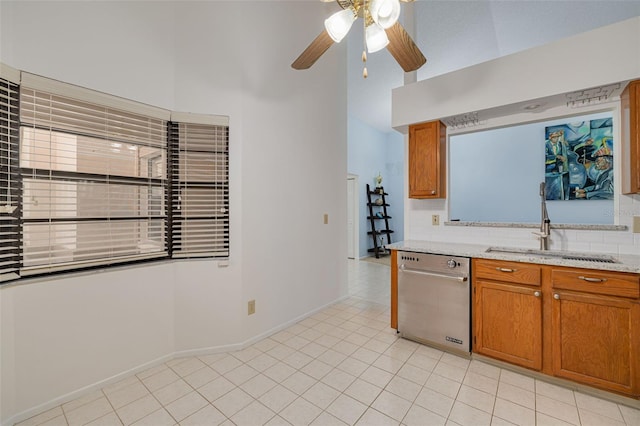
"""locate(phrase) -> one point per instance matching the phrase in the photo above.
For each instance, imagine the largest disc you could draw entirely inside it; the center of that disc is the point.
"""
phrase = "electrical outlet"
(435, 219)
(636, 224)
(251, 308)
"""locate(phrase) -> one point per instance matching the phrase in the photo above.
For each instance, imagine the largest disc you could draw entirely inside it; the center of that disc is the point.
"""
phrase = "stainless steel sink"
(565, 255)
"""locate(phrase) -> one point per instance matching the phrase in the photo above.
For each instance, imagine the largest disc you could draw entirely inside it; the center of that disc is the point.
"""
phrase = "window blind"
(199, 182)
(94, 180)
(10, 185)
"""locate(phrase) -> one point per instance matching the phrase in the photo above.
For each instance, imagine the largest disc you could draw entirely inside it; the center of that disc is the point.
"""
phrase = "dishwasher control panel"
(434, 262)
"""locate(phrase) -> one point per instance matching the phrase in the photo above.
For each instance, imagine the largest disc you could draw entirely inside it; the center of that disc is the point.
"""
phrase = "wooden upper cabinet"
(427, 160)
(630, 100)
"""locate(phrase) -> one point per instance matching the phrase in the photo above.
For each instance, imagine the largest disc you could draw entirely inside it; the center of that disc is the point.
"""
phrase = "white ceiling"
(454, 34)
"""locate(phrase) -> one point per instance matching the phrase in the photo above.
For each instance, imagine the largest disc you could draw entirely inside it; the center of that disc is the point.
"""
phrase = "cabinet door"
(595, 340)
(427, 160)
(508, 323)
(630, 102)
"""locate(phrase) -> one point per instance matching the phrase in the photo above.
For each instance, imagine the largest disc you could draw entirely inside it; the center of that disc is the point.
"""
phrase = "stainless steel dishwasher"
(434, 300)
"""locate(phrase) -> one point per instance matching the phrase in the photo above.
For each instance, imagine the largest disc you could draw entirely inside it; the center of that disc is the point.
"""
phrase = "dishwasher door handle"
(433, 274)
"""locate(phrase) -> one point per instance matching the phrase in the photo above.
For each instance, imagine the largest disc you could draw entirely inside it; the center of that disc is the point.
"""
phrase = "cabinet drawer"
(598, 282)
(513, 272)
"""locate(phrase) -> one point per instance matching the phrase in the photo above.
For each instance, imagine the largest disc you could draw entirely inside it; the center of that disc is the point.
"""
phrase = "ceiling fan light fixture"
(385, 12)
(376, 38)
(339, 24)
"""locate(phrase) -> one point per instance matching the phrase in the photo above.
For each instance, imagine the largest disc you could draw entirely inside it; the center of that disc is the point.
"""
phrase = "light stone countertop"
(626, 263)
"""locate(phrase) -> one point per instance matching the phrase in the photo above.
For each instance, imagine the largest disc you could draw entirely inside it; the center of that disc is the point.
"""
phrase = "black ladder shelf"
(378, 220)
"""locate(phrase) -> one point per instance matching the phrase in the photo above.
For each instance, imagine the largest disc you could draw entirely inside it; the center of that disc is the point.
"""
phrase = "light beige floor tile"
(281, 336)
(332, 357)
(110, 419)
(545, 420)
(353, 366)
(422, 361)
(376, 345)
(311, 334)
(435, 402)
(240, 374)
(226, 364)
(391, 405)
(127, 395)
(313, 350)
(92, 396)
(296, 329)
(399, 354)
(519, 380)
(321, 395)
(404, 388)
(346, 409)
(265, 345)
(364, 392)
(186, 405)
(373, 417)
(600, 406)
(253, 415)
(172, 392)
(517, 395)
(300, 412)
(455, 360)
(338, 379)
(138, 409)
(201, 377)
(376, 376)
(497, 421)
(262, 362)
(160, 379)
(279, 371)
(207, 416)
(247, 354)
(443, 385)
(298, 382)
(557, 409)
(428, 351)
(484, 369)
(57, 421)
(476, 398)
(465, 415)
(480, 382)
(157, 418)
(278, 398)
(232, 402)
(297, 342)
(277, 421)
(326, 419)
(42, 417)
(216, 388)
(258, 385)
(365, 355)
(317, 369)
(631, 415)
(418, 416)
(211, 358)
(143, 374)
(187, 366)
(514, 413)
(357, 339)
(450, 372)
(414, 374)
(327, 340)
(297, 360)
(89, 412)
(555, 392)
(344, 347)
(388, 364)
(590, 418)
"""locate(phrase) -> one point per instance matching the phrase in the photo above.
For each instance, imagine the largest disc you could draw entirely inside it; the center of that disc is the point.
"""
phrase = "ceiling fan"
(381, 28)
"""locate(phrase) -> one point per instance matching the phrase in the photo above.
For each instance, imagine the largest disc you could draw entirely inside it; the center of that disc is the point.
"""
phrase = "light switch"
(326, 218)
(636, 224)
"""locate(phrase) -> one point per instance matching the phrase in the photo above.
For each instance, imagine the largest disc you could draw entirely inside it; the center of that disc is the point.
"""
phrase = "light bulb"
(339, 24)
(376, 38)
(385, 12)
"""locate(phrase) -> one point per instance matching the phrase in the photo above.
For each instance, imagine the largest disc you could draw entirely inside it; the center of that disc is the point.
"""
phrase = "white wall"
(287, 168)
(518, 78)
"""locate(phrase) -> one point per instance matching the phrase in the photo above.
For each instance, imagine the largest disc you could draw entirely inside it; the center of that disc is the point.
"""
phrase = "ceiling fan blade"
(311, 54)
(403, 49)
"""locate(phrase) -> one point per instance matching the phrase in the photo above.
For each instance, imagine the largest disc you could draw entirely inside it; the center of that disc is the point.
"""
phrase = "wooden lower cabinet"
(508, 323)
(577, 324)
(595, 341)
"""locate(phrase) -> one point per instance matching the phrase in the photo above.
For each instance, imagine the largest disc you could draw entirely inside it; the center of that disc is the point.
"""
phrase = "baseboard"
(178, 354)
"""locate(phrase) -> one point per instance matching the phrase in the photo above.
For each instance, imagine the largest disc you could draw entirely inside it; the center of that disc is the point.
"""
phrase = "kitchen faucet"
(545, 222)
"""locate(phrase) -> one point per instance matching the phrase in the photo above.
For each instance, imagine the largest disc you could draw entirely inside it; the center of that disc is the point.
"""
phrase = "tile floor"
(341, 366)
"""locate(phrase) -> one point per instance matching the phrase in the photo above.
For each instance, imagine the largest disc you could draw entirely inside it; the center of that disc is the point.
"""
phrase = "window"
(10, 188)
(88, 179)
(199, 189)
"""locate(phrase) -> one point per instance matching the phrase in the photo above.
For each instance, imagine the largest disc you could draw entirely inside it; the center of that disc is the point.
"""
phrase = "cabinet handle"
(505, 269)
(556, 296)
(592, 280)
(536, 293)
(433, 192)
